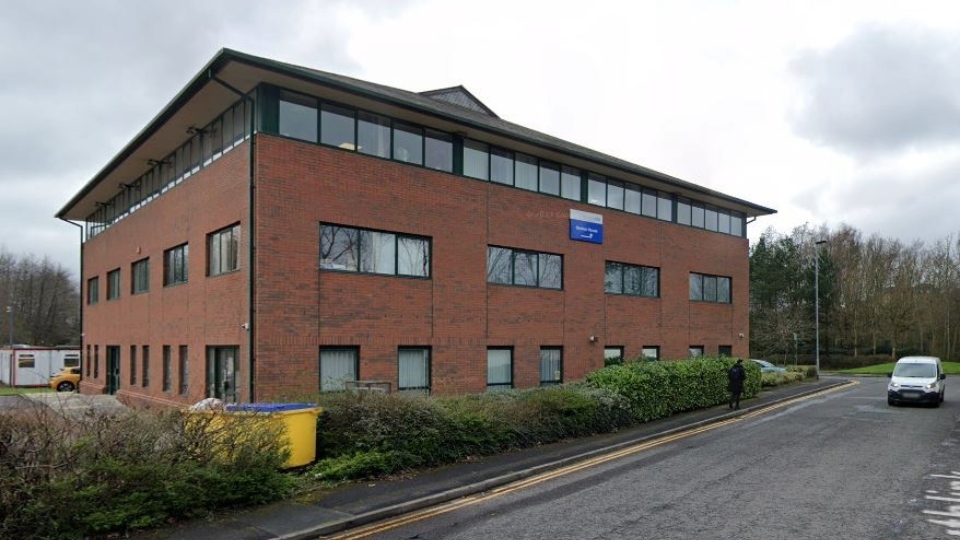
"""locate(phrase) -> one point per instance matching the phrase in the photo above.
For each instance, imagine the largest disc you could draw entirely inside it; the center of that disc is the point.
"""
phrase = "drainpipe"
(251, 255)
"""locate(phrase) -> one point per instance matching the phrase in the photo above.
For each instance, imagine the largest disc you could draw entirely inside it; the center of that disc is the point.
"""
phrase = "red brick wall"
(300, 308)
(456, 312)
(204, 311)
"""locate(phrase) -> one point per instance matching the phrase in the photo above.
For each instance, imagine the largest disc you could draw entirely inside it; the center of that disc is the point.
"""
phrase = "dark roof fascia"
(425, 105)
(183, 97)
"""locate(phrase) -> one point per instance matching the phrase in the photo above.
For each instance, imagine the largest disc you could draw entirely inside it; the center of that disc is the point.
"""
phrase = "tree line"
(39, 301)
(877, 296)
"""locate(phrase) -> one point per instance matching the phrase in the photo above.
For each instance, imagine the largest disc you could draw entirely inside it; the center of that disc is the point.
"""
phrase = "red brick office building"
(277, 230)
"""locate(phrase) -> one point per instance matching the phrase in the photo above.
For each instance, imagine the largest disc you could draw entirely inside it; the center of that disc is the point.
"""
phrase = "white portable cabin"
(34, 366)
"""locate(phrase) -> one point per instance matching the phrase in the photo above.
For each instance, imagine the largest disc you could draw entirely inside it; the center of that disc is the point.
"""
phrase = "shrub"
(73, 476)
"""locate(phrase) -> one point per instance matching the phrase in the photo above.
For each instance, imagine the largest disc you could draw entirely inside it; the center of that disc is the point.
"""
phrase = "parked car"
(67, 380)
(767, 367)
(917, 379)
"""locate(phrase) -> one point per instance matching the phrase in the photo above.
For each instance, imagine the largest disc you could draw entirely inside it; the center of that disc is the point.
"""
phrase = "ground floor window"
(612, 355)
(414, 370)
(499, 368)
(651, 352)
(223, 365)
(725, 350)
(167, 368)
(696, 350)
(551, 365)
(337, 365)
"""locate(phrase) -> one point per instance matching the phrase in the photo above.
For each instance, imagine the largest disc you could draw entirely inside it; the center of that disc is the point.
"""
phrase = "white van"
(917, 379)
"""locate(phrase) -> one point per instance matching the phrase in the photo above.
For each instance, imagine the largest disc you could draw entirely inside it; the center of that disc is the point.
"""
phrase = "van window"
(915, 370)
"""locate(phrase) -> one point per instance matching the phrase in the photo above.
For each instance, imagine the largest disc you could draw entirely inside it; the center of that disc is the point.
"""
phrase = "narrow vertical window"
(551, 365)
(438, 151)
(223, 251)
(373, 135)
(408, 144)
(93, 290)
(501, 166)
(133, 365)
(476, 160)
(499, 368)
(413, 370)
(175, 265)
(113, 284)
(145, 372)
(570, 183)
(140, 276)
(184, 370)
(167, 368)
(338, 126)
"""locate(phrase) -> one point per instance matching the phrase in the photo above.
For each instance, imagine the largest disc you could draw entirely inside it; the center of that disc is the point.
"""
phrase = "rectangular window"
(140, 276)
(223, 251)
(25, 360)
(527, 268)
(476, 160)
(632, 280)
(551, 365)
(549, 178)
(93, 290)
(89, 360)
(407, 143)
(337, 365)
(664, 207)
(526, 171)
(223, 365)
(706, 288)
(298, 116)
(683, 212)
(413, 370)
(373, 135)
(167, 368)
(649, 207)
(570, 182)
(438, 151)
(651, 352)
(133, 365)
(338, 126)
(696, 216)
(113, 284)
(696, 351)
(736, 225)
(373, 252)
(725, 350)
(175, 263)
(96, 361)
(145, 372)
(597, 190)
(501, 166)
(612, 355)
(615, 194)
(723, 222)
(71, 360)
(710, 219)
(183, 370)
(633, 199)
(499, 368)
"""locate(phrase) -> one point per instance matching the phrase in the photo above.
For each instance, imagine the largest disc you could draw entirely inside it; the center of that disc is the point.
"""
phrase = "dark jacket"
(737, 375)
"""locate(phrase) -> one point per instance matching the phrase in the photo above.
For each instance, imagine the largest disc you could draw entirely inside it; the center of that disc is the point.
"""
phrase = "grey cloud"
(883, 89)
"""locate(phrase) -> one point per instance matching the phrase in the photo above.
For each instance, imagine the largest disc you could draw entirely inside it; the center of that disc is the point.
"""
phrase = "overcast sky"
(828, 111)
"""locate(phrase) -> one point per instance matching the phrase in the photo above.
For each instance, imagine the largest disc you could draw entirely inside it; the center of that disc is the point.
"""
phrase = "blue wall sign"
(586, 227)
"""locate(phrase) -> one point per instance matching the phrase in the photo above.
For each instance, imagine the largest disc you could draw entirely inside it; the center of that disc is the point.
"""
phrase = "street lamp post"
(10, 313)
(816, 303)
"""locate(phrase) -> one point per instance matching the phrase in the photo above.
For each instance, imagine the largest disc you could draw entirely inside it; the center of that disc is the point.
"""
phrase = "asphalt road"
(842, 465)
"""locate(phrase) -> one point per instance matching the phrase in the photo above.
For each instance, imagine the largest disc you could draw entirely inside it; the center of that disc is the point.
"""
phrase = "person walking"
(736, 375)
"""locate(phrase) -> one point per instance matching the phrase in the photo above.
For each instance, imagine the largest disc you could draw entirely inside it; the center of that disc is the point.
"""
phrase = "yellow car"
(66, 381)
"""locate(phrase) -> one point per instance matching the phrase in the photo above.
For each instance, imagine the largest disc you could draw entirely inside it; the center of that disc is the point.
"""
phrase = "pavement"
(358, 504)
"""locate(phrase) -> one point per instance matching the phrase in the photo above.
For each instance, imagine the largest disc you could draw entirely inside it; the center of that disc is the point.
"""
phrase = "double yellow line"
(443, 508)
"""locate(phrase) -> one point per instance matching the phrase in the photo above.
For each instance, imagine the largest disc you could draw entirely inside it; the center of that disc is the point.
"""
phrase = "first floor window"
(528, 268)
(93, 290)
(140, 276)
(706, 288)
(651, 352)
(337, 365)
(414, 370)
(632, 280)
(113, 284)
(223, 251)
(373, 252)
(551, 365)
(175, 263)
(499, 368)
(223, 364)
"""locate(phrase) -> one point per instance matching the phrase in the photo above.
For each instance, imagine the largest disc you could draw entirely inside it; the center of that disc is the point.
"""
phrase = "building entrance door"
(113, 369)
(223, 363)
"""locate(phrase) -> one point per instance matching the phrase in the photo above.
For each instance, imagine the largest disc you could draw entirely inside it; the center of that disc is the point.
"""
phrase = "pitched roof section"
(243, 72)
(458, 95)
